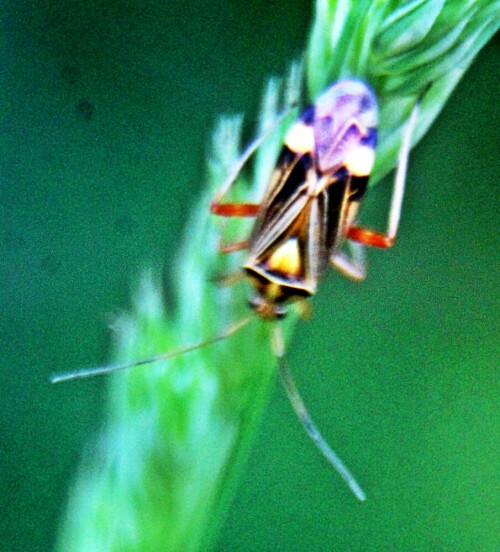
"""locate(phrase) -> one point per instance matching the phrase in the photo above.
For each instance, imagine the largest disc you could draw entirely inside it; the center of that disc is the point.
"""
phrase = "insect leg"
(226, 280)
(235, 209)
(376, 239)
(241, 209)
(353, 266)
(232, 247)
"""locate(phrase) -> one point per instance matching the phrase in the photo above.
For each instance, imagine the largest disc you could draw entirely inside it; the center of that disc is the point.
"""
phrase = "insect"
(305, 218)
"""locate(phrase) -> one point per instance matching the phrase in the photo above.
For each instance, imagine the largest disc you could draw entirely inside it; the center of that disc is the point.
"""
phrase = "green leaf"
(177, 431)
(407, 26)
(399, 48)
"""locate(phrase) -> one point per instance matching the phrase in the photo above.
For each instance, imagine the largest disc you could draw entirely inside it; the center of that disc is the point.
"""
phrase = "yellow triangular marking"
(286, 259)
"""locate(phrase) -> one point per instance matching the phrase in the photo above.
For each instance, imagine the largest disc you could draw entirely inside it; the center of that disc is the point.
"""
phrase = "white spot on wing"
(359, 161)
(300, 138)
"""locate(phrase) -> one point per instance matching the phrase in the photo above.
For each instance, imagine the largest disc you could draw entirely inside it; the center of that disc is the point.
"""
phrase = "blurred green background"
(106, 113)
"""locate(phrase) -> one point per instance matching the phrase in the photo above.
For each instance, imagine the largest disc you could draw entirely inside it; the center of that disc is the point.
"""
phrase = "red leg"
(369, 237)
(234, 209)
(244, 209)
(377, 239)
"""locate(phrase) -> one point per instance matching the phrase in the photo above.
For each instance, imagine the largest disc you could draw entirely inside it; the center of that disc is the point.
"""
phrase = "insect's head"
(273, 293)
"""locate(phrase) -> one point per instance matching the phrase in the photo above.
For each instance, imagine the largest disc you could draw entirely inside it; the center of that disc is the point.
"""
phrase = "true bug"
(306, 216)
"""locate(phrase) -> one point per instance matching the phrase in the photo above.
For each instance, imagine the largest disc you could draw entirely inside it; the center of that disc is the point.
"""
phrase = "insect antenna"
(305, 418)
(101, 370)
